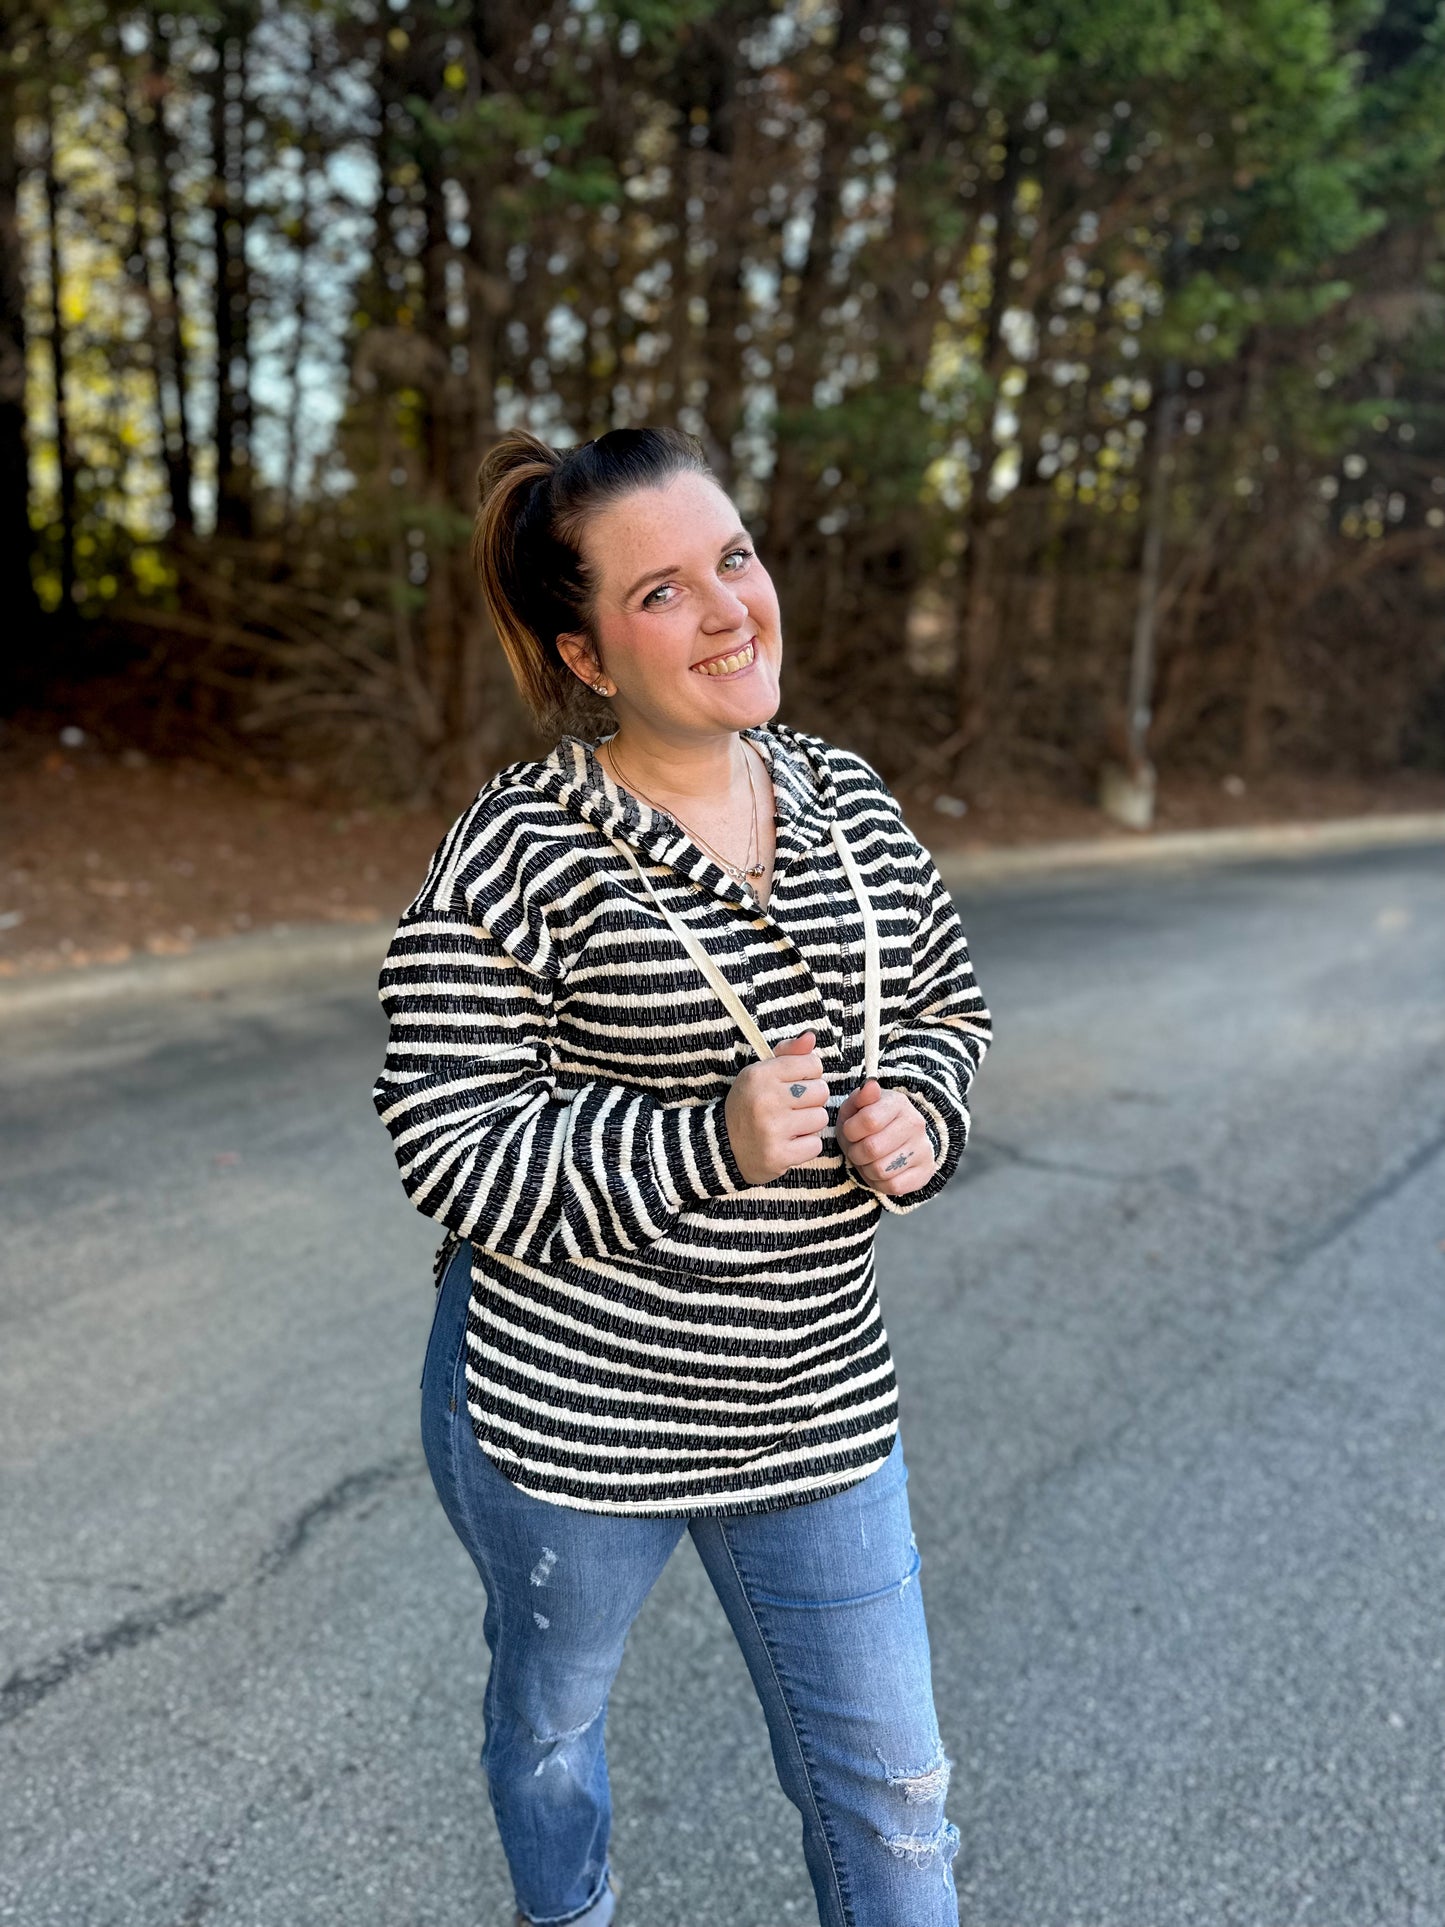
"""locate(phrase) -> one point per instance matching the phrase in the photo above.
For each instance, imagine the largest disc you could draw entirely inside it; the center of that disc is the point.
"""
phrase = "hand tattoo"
(898, 1162)
(797, 1090)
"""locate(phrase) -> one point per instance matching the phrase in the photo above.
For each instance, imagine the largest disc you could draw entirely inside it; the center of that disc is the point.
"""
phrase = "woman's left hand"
(885, 1138)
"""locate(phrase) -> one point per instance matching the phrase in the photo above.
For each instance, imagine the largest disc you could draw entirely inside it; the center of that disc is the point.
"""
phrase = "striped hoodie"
(648, 1332)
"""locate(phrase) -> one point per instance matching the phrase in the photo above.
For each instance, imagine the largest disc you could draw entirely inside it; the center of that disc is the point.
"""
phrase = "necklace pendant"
(757, 870)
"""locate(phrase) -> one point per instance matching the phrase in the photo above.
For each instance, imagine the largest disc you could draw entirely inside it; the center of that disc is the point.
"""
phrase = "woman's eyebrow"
(675, 568)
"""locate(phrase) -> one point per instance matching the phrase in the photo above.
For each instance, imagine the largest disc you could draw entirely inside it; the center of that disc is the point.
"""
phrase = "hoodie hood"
(805, 801)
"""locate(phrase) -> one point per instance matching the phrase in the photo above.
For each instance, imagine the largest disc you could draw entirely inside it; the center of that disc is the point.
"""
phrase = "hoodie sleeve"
(484, 1142)
(935, 1047)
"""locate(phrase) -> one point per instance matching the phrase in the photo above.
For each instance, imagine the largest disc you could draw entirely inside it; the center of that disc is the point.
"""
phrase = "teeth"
(728, 663)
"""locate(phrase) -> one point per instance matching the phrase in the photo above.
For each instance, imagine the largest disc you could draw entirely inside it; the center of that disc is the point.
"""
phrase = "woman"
(629, 1015)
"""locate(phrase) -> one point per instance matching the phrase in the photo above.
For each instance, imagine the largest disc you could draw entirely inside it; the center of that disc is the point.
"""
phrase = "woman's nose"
(726, 609)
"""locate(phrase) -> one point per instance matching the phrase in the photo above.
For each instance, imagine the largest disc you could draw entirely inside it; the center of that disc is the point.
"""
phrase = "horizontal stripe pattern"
(649, 1333)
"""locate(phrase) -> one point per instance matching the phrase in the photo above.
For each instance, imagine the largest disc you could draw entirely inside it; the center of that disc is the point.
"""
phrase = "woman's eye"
(647, 601)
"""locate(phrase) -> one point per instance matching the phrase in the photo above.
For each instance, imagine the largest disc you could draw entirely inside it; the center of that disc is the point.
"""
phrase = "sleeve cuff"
(948, 1124)
(693, 1154)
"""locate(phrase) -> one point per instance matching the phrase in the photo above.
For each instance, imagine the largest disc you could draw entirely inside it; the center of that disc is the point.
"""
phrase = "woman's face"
(679, 587)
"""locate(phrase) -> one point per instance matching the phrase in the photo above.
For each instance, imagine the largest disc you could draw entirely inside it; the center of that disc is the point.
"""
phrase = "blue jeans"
(824, 1600)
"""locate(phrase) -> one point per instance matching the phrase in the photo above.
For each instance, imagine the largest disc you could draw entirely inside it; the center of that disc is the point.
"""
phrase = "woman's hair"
(533, 503)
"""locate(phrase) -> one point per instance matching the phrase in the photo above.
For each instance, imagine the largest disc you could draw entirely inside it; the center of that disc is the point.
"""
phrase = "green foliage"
(659, 22)
(853, 269)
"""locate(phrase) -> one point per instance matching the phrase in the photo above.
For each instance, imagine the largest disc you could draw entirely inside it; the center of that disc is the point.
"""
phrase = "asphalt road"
(1172, 1356)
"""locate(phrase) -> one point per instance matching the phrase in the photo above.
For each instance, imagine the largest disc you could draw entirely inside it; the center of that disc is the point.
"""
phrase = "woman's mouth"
(730, 665)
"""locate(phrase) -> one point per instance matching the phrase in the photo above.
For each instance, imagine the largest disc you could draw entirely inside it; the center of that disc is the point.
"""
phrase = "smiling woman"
(675, 1017)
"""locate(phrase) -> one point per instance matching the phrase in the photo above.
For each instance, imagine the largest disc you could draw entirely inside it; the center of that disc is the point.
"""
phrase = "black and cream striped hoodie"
(648, 1332)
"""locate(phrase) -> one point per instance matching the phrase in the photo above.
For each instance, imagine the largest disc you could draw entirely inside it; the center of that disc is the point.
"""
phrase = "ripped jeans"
(824, 1600)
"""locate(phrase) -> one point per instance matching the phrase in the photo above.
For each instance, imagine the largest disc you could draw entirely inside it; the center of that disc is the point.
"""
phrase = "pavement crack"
(89, 1580)
(1181, 1176)
(351, 1491)
(199, 1904)
(1384, 1187)
(27, 1686)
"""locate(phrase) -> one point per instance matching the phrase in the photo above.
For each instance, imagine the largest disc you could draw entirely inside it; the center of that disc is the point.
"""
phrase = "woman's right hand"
(777, 1109)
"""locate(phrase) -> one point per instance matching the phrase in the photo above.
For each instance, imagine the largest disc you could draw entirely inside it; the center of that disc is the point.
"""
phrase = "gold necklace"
(749, 868)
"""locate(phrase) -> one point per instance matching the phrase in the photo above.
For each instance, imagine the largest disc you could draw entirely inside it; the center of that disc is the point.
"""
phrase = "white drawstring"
(706, 964)
(872, 967)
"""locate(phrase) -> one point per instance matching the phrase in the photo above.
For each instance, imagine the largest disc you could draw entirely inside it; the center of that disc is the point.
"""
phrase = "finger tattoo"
(898, 1162)
(797, 1090)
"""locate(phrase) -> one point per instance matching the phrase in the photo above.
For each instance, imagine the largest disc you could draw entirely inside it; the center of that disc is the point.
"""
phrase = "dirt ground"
(106, 854)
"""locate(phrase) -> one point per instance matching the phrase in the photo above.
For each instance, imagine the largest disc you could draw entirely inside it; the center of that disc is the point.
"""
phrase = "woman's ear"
(576, 651)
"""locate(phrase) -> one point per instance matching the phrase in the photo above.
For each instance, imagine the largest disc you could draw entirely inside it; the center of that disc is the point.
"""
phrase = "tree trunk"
(17, 588)
(310, 164)
(978, 644)
(152, 352)
(233, 494)
(64, 453)
(1146, 619)
(171, 317)
(789, 491)
(725, 215)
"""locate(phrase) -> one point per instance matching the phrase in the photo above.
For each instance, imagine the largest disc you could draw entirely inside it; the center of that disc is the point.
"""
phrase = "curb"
(959, 868)
(215, 965)
(286, 954)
